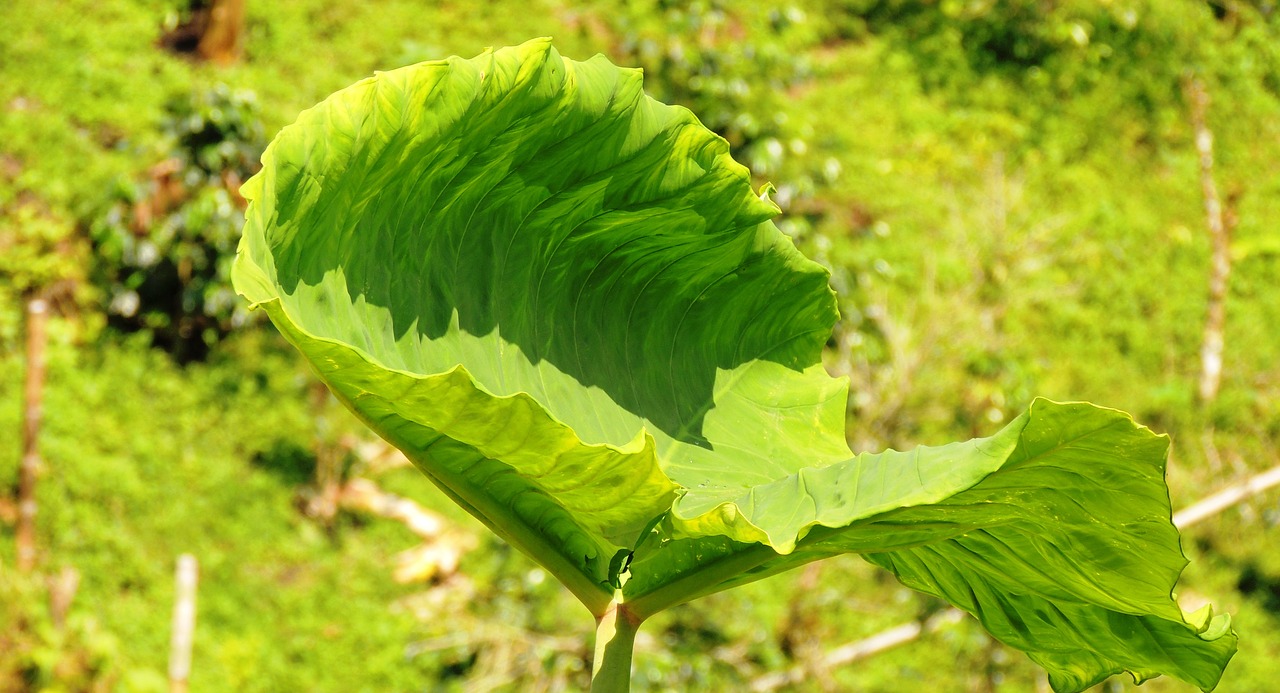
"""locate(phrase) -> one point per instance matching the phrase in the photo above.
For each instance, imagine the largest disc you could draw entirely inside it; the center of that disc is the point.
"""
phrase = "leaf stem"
(615, 641)
(703, 580)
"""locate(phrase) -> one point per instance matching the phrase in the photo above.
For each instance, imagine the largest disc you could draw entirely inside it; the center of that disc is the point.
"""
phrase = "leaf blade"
(1069, 533)
(544, 226)
(564, 302)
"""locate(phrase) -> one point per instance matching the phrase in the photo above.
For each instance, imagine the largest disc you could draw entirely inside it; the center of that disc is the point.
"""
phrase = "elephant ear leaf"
(1055, 533)
(567, 306)
(538, 282)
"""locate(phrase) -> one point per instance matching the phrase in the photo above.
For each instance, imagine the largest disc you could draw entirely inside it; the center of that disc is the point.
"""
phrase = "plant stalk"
(615, 641)
(700, 582)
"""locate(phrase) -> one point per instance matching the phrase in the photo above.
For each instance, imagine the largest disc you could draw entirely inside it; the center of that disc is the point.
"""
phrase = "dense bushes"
(165, 243)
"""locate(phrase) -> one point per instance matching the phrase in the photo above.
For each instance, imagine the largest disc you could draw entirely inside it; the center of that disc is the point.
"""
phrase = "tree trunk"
(223, 39)
(329, 458)
(1213, 343)
(25, 535)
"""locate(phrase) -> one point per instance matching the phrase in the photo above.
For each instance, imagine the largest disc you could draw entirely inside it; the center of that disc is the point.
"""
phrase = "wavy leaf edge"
(733, 519)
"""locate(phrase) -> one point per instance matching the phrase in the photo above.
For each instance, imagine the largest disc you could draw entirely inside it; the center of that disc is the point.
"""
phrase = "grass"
(986, 252)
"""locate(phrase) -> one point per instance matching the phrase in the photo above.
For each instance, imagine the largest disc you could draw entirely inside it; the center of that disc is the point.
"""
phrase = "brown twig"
(33, 395)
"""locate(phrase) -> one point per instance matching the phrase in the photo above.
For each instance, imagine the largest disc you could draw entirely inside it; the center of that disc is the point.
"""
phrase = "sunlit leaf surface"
(565, 303)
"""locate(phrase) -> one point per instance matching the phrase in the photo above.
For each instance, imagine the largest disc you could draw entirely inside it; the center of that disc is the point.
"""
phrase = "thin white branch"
(1226, 498)
(184, 623)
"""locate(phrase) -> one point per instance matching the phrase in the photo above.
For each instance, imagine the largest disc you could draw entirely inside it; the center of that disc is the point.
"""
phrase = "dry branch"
(364, 495)
(442, 547)
(862, 649)
(1227, 497)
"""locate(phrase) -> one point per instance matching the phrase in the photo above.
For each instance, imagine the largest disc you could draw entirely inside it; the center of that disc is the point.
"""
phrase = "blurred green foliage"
(164, 245)
(1005, 191)
(733, 68)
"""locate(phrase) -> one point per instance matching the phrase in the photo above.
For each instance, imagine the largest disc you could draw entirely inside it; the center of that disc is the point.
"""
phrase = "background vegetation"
(1008, 194)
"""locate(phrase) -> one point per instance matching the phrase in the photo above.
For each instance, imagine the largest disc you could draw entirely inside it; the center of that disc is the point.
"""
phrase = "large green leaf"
(1063, 548)
(567, 306)
(527, 257)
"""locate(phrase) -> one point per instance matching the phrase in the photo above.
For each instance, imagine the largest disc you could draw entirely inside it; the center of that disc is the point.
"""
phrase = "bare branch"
(1227, 497)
